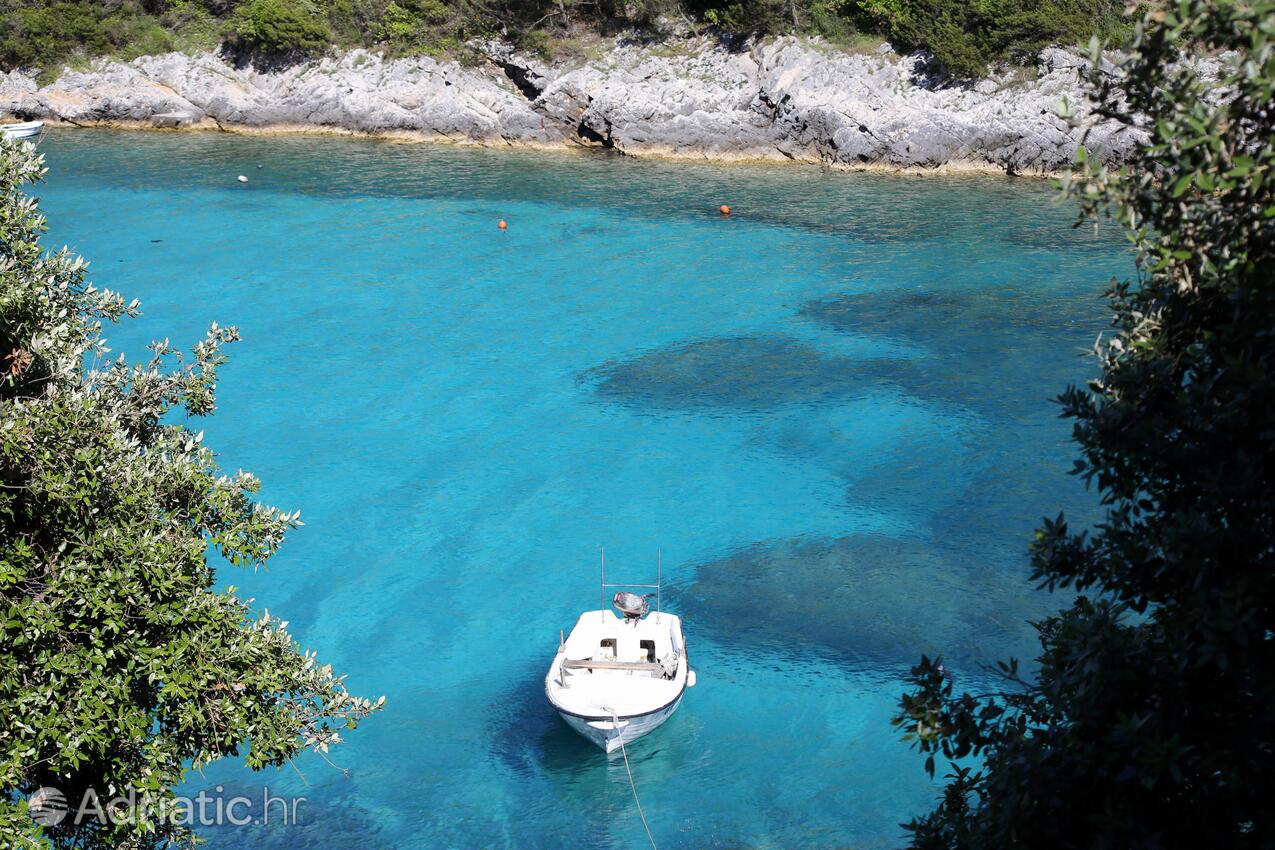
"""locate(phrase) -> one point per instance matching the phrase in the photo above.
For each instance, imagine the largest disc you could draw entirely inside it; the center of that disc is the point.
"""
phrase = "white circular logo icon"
(47, 806)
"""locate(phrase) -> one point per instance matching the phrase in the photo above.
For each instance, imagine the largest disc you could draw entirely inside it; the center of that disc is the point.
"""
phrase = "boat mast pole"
(659, 569)
(603, 589)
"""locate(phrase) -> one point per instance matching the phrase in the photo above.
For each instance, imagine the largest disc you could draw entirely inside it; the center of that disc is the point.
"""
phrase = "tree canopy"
(121, 663)
(965, 37)
(1150, 720)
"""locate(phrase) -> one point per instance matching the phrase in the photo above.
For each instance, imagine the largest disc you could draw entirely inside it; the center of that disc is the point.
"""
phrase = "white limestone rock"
(784, 98)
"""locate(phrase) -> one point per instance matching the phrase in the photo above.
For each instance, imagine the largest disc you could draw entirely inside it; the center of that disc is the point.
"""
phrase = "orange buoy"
(501, 224)
(725, 210)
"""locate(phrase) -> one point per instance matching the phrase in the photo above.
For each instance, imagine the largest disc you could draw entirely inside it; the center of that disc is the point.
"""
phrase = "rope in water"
(632, 785)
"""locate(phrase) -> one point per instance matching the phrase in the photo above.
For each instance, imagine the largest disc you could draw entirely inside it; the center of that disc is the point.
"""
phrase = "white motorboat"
(25, 130)
(617, 678)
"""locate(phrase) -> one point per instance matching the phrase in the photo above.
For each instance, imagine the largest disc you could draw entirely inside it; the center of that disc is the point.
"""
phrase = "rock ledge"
(785, 99)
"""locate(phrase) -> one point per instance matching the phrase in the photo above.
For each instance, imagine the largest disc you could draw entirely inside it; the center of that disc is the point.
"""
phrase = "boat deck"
(614, 667)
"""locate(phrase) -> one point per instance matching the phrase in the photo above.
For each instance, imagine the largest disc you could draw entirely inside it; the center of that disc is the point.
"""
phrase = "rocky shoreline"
(698, 98)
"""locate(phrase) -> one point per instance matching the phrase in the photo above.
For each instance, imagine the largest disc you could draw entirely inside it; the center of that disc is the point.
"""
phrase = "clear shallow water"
(830, 411)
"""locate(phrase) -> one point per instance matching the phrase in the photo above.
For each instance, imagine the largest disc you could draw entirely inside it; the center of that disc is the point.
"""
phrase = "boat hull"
(605, 681)
(22, 131)
(607, 734)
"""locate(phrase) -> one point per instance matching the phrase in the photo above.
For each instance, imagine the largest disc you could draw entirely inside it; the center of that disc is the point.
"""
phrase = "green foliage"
(40, 34)
(745, 16)
(1149, 722)
(121, 664)
(831, 19)
(412, 22)
(537, 42)
(344, 22)
(644, 13)
(398, 24)
(279, 28)
(965, 36)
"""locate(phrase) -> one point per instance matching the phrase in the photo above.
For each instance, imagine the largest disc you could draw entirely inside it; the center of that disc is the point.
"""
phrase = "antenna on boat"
(659, 570)
(603, 589)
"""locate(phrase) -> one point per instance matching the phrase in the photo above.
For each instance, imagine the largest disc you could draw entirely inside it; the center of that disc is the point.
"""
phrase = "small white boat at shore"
(617, 678)
(25, 130)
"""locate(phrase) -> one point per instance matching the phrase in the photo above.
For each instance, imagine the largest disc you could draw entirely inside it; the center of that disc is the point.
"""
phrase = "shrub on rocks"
(965, 37)
(42, 35)
(279, 28)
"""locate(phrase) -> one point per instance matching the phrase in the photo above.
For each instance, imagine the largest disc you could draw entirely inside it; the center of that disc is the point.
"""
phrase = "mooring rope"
(632, 784)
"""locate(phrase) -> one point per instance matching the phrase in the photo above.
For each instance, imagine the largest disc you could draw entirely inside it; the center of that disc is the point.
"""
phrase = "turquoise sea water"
(830, 411)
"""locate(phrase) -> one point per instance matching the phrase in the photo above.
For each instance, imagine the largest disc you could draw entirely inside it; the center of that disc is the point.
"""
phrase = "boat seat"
(589, 664)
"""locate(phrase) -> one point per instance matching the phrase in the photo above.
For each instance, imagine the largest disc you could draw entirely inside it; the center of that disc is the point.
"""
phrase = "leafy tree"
(279, 28)
(1150, 721)
(410, 22)
(745, 16)
(966, 36)
(40, 34)
(121, 664)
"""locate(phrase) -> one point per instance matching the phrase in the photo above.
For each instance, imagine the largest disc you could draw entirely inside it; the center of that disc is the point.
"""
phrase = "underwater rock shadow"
(862, 600)
(1050, 236)
(996, 313)
(988, 349)
(737, 373)
(963, 369)
(995, 353)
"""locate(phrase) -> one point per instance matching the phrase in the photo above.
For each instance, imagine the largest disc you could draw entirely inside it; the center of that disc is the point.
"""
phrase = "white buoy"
(243, 179)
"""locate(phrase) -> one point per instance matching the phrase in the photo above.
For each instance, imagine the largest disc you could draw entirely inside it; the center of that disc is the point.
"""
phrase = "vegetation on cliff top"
(964, 35)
